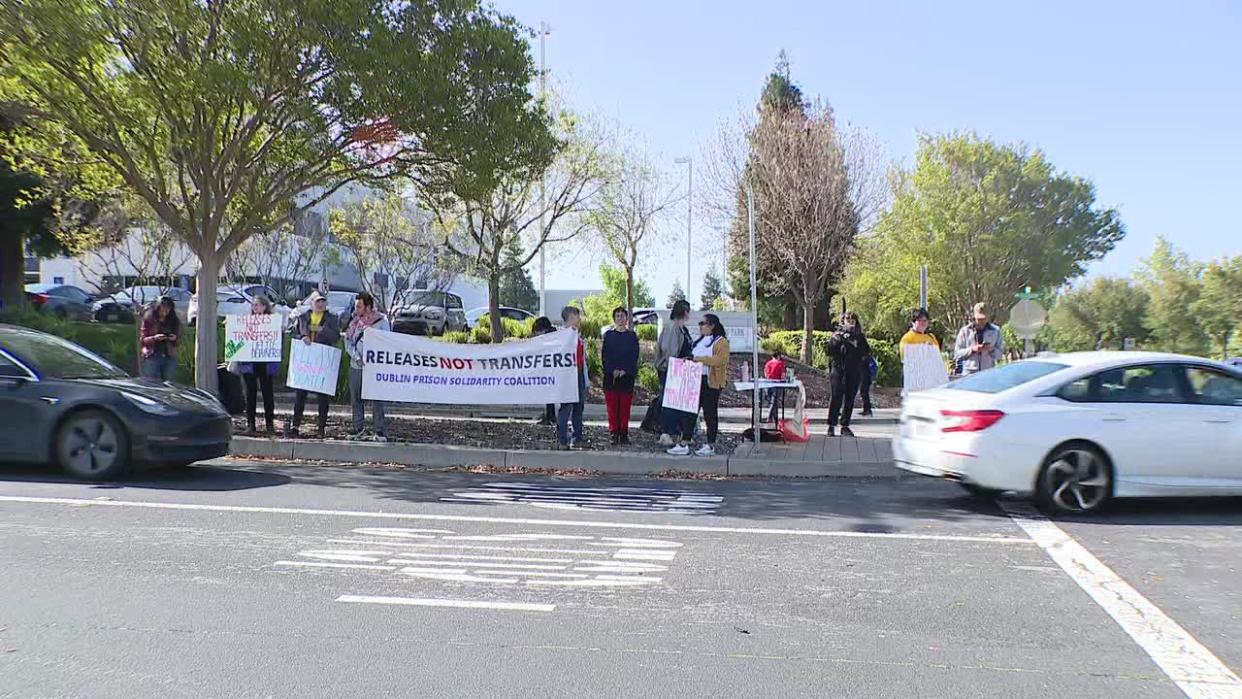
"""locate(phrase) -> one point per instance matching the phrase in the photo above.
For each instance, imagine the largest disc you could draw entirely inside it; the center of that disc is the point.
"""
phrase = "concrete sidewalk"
(821, 457)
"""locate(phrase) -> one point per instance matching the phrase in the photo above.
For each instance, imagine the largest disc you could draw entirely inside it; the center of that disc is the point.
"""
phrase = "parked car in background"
(235, 301)
(61, 300)
(475, 315)
(124, 305)
(1076, 430)
(65, 406)
(430, 313)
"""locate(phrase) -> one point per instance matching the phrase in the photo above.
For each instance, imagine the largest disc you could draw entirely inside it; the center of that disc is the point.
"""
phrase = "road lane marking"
(1194, 668)
(452, 603)
(313, 564)
(576, 552)
(599, 499)
(79, 502)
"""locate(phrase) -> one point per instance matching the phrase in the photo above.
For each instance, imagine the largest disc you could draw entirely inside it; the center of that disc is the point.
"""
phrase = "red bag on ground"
(798, 427)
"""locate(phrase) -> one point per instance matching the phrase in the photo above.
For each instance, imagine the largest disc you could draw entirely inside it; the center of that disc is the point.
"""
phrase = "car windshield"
(427, 298)
(143, 293)
(53, 357)
(1005, 377)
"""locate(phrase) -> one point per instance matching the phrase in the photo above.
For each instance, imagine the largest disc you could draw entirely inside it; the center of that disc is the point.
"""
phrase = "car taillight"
(970, 420)
(39, 299)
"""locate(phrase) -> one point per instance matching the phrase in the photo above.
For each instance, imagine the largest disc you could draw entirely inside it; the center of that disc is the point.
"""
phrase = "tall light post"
(689, 163)
(544, 31)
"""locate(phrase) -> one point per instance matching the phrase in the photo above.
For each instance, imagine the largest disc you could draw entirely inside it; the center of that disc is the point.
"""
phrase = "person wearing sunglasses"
(711, 349)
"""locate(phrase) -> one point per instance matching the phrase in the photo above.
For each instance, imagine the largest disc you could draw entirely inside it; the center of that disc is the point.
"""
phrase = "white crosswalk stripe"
(564, 497)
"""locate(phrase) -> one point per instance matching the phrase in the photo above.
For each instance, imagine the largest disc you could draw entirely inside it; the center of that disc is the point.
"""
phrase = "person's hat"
(981, 310)
(315, 296)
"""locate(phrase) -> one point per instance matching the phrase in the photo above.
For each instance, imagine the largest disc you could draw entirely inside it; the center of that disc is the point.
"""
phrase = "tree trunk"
(206, 351)
(493, 307)
(808, 324)
(629, 289)
(12, 269)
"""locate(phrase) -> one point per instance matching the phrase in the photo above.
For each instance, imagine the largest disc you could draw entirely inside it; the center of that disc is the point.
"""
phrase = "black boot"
(625, 438)
(249, 429)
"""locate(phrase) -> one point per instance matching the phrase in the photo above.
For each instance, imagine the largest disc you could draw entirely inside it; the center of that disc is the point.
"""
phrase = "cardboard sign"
(409, 369)
(681, 391)
(313, 368)
(252, 338)
(922, 368)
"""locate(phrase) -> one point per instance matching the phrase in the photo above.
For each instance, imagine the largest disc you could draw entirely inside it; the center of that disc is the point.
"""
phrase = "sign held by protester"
(408, 369)
(922, 368)
(254, 338)
(681, 391)
(313, 367)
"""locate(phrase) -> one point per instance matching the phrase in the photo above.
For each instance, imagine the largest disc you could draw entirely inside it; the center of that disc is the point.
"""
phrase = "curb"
(628, 464)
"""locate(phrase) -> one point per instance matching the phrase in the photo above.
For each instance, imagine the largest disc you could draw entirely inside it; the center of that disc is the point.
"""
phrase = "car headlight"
(149, 405)
(432, 314)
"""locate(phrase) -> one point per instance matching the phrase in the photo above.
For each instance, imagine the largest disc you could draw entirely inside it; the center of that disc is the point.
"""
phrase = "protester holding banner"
(258, 377)
(572, 318)
(620, 360)
(846, 348)
(711, 350)
(543, 326)
(316, 326)
(365, 317)
(674, 343)
(159, 334)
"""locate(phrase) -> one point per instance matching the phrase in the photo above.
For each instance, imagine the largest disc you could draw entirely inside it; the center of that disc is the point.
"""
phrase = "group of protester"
(977, 346)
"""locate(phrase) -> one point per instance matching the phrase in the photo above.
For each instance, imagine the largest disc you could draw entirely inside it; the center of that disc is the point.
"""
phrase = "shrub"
(649, 333)
(885, 353)
(790, 342)
(482, 334)
(595, 360)
(457, 337)
(648, 378)
(590, 328)
(517, 329)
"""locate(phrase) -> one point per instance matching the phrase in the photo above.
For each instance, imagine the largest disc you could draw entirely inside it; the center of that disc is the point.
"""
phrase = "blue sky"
(1143, 98)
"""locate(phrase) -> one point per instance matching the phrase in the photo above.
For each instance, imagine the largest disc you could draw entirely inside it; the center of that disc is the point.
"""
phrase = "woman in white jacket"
(365, 317)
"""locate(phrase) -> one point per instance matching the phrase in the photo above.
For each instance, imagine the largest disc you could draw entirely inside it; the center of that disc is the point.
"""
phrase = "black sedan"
(61, 404)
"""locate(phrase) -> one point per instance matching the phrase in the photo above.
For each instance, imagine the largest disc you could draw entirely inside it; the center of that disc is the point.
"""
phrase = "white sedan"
(1075, 430)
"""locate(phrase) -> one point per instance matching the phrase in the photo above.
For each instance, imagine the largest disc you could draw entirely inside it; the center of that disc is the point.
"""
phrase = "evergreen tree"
(516, 288)
(712, 291)
(678, 294)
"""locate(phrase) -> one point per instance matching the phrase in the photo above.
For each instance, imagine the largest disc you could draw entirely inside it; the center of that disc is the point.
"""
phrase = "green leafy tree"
(1219, 306)
(987, 219)
(1098, 316)
(713, 290)
(617, 287)
(517, 290)
(1172, 281)
(677, 294)
(229, 118)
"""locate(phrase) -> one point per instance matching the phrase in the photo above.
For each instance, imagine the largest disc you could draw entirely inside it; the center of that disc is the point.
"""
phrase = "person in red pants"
(620, 360)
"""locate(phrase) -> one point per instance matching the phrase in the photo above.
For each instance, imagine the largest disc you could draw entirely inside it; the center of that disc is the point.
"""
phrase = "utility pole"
(544, 30)
(688, 161)
(754, 321)
(923, 287)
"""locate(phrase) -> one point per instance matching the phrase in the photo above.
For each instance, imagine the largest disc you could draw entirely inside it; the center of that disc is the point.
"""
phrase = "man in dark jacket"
(847, 349)
(316, 326)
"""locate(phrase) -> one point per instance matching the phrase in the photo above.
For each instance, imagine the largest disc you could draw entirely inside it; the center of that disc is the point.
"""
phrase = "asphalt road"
(249, 580)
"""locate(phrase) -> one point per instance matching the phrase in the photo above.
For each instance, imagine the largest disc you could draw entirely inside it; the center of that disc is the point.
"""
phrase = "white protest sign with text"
(922, 368)
(410, 369)
(681, 390)
(255, 338)
(313, 367)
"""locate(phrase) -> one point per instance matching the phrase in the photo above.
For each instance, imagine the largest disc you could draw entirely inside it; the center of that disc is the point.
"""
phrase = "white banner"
(252, 338)
(681, 390)
(313, 367)
(411, 369)
(922, 368)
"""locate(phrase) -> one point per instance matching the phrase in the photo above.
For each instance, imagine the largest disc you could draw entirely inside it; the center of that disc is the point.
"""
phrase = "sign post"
(1027, 317)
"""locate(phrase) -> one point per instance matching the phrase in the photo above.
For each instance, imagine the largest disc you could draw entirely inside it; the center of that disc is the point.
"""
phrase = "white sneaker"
(381, 439)
(705, 450)
(679, 450)
(666, 440)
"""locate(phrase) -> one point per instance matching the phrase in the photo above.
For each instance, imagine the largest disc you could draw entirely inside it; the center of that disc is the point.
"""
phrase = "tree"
(713, 290)
(677, 294)
(517, 290)
(1219, 306)
(617, 288)
(230, 118)
(1172, 281)
(483, 223)
(988, 220)
(626, 210)
(1098, 316)
(280, 259)
(391, 245)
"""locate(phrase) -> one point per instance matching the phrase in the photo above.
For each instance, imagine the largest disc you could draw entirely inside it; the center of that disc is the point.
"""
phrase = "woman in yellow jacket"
(711, 350)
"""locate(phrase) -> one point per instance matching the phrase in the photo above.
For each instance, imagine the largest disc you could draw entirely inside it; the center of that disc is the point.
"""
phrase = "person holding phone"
(847, 347)
(979, 344)
(159, 334)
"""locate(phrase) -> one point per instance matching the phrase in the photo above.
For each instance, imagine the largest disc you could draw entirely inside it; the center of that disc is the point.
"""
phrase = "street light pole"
(544, 30)
(689, 163)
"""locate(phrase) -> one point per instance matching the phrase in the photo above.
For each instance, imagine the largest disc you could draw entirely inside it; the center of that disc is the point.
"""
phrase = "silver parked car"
(430, 313)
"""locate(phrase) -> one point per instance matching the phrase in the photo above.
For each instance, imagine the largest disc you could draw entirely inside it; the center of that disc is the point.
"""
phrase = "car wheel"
(978, 491)
(1075, 478)
(92, 445)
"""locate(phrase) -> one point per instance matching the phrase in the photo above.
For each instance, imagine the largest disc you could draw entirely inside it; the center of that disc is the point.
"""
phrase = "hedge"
(647, 332)
(790, 342)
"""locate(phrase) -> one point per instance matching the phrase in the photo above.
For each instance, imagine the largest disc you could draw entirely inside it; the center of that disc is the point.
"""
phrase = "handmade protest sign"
(255, 338)
(922, 368)
(681, 390)
(313, 368)
(409, 369)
